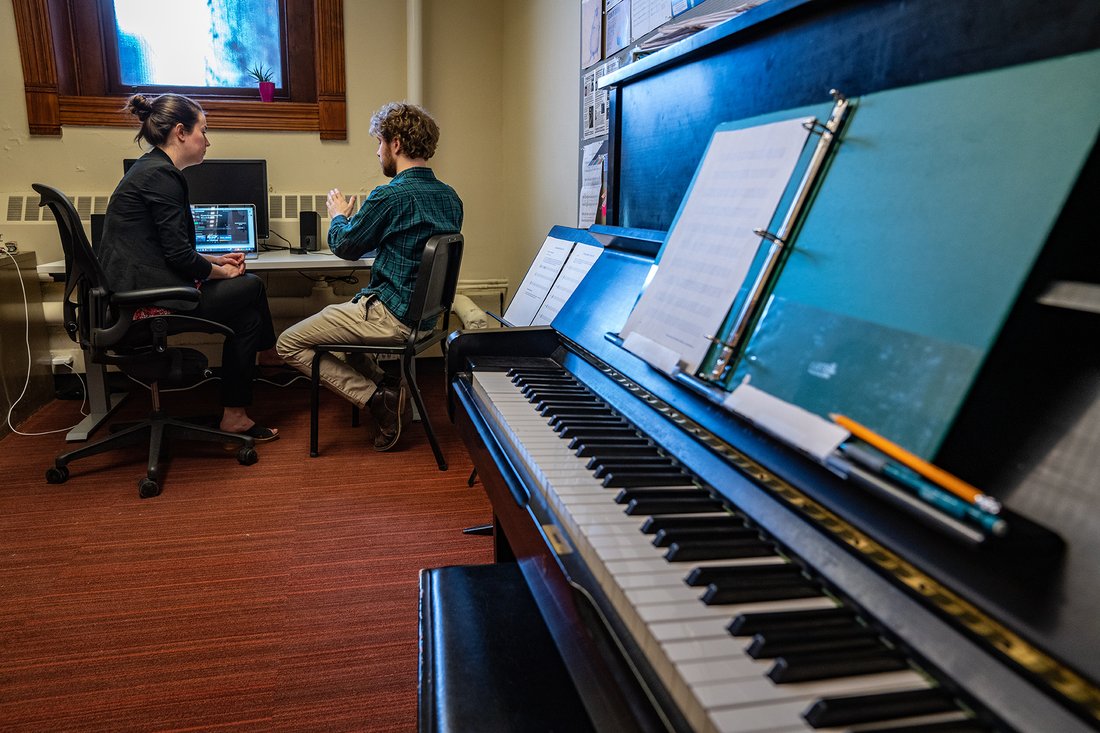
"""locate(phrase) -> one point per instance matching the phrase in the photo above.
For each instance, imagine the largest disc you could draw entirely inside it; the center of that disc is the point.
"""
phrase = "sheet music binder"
(746, 151)
(743, 314)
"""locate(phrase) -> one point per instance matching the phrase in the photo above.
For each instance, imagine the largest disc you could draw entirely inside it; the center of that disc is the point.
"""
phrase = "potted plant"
(262, 75)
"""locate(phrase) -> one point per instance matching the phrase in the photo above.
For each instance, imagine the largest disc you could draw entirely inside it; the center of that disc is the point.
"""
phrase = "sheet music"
(711, 245)
(576, 267)
(537, 282)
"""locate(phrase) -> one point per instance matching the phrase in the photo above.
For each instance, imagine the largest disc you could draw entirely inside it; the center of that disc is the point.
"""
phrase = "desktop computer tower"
(309, 230)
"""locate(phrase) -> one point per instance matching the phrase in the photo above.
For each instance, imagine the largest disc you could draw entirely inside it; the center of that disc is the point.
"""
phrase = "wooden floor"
(280, 596)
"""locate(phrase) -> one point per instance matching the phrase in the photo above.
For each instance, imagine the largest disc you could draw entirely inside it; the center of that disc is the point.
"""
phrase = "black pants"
(241, 304)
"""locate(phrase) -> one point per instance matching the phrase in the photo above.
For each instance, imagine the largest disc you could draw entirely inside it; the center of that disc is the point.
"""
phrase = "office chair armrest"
(154, 296)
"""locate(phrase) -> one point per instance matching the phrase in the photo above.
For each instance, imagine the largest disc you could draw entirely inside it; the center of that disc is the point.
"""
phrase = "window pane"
(198, 43)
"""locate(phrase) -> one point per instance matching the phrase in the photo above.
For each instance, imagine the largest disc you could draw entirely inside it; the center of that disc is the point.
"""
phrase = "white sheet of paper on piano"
(578, 264)
(537, 282)
(711, 245)
(795, 426)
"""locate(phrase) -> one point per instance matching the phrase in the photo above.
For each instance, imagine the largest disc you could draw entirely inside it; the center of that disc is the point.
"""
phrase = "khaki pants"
(365, 322)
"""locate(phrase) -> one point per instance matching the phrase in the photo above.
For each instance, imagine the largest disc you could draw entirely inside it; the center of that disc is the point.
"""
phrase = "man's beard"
(389, 167)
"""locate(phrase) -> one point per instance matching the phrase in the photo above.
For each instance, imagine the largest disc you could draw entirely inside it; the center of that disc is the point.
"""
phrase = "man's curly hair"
(411, 124)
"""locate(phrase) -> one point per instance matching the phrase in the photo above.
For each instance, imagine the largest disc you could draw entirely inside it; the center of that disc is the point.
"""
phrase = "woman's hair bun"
(140, 106)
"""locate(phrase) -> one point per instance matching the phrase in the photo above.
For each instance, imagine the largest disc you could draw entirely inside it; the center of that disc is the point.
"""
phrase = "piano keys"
(819, 651)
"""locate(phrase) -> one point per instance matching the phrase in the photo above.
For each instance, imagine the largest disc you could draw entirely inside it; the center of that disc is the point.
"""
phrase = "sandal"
(260, 434)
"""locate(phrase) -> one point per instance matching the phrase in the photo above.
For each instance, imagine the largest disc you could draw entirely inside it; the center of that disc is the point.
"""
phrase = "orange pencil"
(954, 484)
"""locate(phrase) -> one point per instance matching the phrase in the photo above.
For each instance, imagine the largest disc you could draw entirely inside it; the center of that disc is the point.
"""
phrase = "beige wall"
(500, 76)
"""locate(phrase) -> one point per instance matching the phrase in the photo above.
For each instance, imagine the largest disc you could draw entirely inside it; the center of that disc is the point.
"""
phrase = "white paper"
(576, 267)
(591, 183)
(711, 245)
(591, 32)
(798, 427)
(654, 354)
(617, 28)
(645, 15)
(537, 282)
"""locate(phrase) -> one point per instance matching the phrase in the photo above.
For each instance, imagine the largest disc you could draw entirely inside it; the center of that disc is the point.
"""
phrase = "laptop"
(222, 228)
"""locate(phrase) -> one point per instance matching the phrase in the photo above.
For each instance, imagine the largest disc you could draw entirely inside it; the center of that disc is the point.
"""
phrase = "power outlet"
(11, 247)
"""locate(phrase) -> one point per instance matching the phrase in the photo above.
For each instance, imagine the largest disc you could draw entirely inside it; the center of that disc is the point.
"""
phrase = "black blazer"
(148, 233)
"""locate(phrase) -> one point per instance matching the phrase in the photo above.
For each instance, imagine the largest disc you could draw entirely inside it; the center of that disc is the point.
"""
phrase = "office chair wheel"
(147, 488)
(57, 474)
(247, 456)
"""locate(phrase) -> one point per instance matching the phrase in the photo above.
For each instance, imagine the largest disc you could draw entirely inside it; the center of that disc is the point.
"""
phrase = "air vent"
(15, 208)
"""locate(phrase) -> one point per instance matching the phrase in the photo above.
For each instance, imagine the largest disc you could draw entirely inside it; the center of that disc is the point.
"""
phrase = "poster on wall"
(591, 32)
(594, 108)
(618, 26)
(645, 15)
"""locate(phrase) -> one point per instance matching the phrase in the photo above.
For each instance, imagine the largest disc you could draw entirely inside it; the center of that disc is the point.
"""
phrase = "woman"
(149, 241)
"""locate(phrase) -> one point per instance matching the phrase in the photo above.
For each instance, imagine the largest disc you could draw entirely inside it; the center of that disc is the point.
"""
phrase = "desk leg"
(101, 403)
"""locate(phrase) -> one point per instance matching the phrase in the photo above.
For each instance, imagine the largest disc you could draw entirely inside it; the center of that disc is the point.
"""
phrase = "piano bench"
(487, 661)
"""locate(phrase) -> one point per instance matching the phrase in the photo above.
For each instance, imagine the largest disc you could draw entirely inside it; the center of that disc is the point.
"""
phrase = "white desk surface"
(272, 260)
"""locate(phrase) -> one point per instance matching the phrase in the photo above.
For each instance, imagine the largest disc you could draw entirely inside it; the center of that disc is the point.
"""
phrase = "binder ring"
(769, 236)
(816, 127)
(720, 342)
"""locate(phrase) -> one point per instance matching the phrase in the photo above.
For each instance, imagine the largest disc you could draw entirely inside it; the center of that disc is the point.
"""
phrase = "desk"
(273, 261)
(101, 403)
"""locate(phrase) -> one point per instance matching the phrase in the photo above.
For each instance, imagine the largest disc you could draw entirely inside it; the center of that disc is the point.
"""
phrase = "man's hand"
(226, 266)
(337, 204)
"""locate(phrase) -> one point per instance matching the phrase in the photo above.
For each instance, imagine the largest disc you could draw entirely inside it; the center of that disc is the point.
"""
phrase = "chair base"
(156, 429)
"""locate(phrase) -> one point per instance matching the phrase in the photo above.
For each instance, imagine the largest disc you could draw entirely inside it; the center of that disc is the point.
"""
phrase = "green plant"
(259, 72)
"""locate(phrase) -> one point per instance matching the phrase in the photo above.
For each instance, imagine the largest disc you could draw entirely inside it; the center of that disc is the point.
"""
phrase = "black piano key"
(717, 595)
(968, 725)
(625, 496)
(748, 574)
(656, 505)
(537, 394)
(761, 647)
(832, 712)
(603, 463)
(585, 448)
(809, 667)
(597, 432)
(550, 411)
(718, 550)
(556, 404)
(623, 478)
(561, 421)
(750, 624)
(666, 537)
(653, 525)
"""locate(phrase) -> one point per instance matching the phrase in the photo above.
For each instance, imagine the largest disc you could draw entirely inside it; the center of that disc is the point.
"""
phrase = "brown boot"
(390, 408)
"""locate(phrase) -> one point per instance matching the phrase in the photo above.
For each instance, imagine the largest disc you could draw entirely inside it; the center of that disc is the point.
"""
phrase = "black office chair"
(432, 296)
(102, 322)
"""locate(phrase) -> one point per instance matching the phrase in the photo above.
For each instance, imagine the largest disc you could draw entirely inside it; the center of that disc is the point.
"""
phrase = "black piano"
(698, 574)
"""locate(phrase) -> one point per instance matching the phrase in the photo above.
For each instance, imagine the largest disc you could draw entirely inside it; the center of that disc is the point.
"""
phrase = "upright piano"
(696, 572)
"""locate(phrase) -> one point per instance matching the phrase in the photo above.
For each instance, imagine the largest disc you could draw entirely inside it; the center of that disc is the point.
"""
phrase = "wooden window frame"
(65, 77)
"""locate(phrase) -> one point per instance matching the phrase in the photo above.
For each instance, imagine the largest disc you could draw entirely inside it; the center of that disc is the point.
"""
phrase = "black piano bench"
(487, 662)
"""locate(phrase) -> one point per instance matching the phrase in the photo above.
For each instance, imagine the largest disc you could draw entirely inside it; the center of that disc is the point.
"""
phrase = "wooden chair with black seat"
(103, 323)
(433, 294)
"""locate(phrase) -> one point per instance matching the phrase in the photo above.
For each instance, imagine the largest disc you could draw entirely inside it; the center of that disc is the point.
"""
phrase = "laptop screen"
(221, 228)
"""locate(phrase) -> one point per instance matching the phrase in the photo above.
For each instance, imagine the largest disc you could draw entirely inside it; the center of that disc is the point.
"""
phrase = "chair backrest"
(437, 279)
(86, 291)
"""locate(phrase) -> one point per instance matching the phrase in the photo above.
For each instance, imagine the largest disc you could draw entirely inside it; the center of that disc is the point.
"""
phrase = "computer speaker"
(309, 229)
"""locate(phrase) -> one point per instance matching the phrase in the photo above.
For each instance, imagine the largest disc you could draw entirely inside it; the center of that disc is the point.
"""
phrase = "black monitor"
(228, 181)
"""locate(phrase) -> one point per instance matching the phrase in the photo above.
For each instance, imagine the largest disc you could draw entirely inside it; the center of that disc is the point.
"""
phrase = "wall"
(541, 126)
(499, 76)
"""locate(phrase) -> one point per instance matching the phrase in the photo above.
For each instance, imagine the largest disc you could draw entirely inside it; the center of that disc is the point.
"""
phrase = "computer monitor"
(228, 181)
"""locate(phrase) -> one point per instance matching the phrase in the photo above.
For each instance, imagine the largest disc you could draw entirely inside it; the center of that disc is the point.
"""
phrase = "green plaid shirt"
(397, 219)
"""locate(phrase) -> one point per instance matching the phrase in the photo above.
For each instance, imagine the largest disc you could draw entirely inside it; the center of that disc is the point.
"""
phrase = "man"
(396, 219)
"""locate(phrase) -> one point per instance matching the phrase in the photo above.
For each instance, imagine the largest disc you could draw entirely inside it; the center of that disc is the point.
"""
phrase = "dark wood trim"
(46, 43)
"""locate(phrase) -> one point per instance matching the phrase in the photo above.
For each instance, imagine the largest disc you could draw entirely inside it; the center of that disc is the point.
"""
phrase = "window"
(213, 44)
(79, 63)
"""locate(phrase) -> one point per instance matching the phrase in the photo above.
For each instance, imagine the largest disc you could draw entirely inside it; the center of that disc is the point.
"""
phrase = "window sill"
(222, 114)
